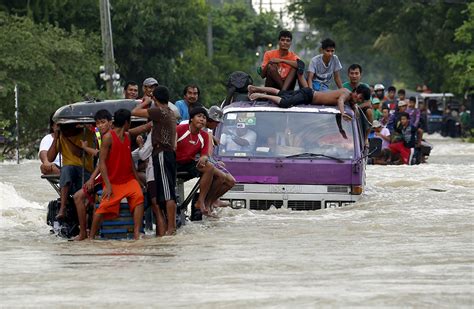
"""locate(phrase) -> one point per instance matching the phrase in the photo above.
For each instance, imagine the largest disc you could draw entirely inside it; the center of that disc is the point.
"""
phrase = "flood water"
(409, 242)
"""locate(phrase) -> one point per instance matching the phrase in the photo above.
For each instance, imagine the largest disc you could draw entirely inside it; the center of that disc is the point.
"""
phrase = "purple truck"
(301, 158)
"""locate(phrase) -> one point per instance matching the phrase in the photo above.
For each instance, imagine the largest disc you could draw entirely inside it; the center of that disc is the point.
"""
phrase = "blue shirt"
(183, 109)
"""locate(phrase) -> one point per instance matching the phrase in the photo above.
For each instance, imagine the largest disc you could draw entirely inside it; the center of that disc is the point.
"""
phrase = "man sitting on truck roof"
(279, 66)
(301, 96)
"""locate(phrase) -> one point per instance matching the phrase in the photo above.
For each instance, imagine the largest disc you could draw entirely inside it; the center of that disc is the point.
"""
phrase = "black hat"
(198, 110)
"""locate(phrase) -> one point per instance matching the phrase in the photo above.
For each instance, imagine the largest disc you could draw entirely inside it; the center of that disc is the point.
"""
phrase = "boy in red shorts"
(119, 176)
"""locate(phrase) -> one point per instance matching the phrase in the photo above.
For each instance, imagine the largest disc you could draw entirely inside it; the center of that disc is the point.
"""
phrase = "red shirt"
(119, 161)
(189, 145)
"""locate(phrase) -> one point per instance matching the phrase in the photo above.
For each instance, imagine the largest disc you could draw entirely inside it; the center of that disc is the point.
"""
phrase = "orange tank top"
(119, 161)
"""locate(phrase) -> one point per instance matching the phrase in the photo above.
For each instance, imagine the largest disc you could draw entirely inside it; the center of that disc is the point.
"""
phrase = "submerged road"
(408, 242)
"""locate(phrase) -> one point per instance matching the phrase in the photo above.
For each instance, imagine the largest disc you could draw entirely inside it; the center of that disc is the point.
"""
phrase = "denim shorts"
(72, 175)
(318, 86)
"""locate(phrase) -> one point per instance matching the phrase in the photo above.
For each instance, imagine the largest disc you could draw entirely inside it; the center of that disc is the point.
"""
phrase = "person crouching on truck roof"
(119, 176)
(86, 197)
(163, 139)
(67, 141)
(324, 66)
(49, 167)
(301, 96)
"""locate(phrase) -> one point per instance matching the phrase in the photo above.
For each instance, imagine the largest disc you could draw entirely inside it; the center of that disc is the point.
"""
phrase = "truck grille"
(304, 205)
(265, 204)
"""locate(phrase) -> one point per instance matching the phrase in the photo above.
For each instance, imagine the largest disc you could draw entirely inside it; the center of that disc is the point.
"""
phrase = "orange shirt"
(283, 68)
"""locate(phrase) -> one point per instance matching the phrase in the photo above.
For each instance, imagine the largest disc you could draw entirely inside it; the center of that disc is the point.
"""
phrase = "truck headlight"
(236, 204)
(332, 204)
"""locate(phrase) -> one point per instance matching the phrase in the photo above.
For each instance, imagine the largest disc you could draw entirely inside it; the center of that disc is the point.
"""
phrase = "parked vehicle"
(436, 104)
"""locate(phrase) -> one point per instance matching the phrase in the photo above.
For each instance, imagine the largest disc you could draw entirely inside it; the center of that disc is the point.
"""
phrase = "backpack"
(237, 87)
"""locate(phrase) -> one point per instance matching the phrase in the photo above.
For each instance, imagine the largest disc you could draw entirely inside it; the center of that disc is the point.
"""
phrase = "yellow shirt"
(68, 155)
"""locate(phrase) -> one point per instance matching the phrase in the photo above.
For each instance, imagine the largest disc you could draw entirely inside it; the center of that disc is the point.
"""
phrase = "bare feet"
(251, 89)
(220, 203)
(255, 96)
(170, 232)
(80, 237)
(211, 214)
(202, 207)
(61, 214)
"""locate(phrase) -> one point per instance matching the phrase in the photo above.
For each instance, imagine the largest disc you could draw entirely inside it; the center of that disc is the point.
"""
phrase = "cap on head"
(379, 87)
(215, 113)
(376, 124)
(150, 81)
(198, 110)
(375, 100)
(402, 103)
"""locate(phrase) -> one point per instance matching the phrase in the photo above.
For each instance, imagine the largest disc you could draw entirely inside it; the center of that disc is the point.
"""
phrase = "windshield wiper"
(313, 155)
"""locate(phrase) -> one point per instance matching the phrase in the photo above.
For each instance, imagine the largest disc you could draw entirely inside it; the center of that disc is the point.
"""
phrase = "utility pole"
(107, 47)
(17, 126)
(210, 46)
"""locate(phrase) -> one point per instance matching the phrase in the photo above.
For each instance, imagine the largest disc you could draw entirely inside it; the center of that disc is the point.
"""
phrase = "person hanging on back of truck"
(120, 179)
(192, 140)
(163, 139)
(86, 197)
(49, 167)
(76, 163)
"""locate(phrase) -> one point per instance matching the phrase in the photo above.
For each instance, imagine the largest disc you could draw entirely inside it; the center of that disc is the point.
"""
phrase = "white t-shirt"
(230, 145)
(384, 132)
(46, 144)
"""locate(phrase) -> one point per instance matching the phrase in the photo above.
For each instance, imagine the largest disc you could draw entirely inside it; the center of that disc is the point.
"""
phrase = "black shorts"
(291, 98)
(164, 167)
(151, 189)
(189, 168)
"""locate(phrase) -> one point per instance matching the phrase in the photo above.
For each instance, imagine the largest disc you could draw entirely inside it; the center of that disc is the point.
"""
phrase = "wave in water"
(19, 214)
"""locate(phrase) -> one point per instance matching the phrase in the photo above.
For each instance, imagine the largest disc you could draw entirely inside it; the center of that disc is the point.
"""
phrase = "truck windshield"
(285, 134)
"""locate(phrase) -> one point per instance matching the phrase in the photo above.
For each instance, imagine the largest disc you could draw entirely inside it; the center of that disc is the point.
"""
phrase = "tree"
(51, 66)
(404, 41)
(462, 61)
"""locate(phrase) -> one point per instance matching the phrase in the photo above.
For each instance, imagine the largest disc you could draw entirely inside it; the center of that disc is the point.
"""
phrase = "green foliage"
(403, 41)
(238, 32)
(53, 49)
(51, 66)
(462, 62)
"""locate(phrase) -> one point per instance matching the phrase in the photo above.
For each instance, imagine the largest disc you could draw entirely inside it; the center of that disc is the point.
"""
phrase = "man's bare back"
(331, 97)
